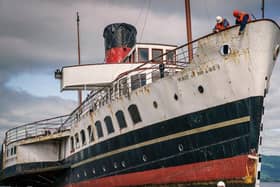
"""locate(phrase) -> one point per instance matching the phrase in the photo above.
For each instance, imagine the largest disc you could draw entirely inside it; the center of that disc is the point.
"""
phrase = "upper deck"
(89, 76)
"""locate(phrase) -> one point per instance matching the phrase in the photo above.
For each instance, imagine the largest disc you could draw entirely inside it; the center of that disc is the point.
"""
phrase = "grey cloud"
(271, 142)
(18, 108)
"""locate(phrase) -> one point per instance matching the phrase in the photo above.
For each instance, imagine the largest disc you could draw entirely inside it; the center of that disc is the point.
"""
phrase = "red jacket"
(221, 26)
(240, 16)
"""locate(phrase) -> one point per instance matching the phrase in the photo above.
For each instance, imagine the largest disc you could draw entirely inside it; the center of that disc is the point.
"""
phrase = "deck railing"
(122, 86)
(39, 128)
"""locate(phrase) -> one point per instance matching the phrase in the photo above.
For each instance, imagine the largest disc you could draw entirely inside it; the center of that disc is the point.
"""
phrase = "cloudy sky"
(39, 36)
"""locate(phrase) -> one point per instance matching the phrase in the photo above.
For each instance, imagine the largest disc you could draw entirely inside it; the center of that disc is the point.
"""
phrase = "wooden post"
(262, 9)
(189, 29)
(79, 55)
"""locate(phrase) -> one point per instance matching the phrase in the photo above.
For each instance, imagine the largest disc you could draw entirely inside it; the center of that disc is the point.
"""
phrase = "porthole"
(93, 171)
(123, 164)
(200, 89)
(155, 104)
(276, 52)
(115, 165)
(225, 50)
(176, 97)
(144, 158)
(180, 147)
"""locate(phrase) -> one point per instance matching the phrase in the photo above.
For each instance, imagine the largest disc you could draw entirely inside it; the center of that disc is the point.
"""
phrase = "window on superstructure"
(138, 81)
(133, 57)
(15, 150)
(83, 137)
(157, 55)
(134, 113)
(123, 87)
(116, 90)
(109, 124)
(90, 134)
(72, 144)
(77, 140)
(143, 54)
(142, 79)
(170, 57)
(99, 129)
(121, 119)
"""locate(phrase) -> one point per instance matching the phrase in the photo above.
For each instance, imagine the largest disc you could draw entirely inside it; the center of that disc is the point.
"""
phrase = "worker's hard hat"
(219, 19)
(221, 184)
(236, 13)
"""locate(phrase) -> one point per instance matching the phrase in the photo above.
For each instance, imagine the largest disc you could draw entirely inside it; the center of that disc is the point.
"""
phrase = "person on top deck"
(242, 18)
(222, 23)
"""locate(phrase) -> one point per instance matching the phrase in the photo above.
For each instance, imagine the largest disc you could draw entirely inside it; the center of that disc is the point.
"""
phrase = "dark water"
(270, 184)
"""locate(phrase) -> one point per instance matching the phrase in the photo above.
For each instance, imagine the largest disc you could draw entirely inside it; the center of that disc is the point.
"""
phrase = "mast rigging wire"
(145, 20)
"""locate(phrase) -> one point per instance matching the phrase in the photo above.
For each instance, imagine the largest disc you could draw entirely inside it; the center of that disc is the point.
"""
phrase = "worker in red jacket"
(222, 23)
(242, 18)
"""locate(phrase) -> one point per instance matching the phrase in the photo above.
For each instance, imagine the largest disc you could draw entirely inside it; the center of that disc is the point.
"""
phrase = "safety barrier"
(39, 128)
(148, 72)
(144, 74)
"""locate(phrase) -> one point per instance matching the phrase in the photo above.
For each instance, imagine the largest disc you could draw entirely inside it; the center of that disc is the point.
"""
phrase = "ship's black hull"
(220, 132)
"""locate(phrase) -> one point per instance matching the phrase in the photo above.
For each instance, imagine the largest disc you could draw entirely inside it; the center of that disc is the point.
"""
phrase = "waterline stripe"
(166, 138)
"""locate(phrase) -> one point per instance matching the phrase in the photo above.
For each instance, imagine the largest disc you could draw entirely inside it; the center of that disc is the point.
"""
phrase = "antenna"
(263, 9)
(189, 29)
(79, 55)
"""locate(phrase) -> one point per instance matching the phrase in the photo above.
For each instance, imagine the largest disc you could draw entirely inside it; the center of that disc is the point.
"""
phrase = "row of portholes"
(200, 89)
(115, 165)
(123, 163)
(156, 105)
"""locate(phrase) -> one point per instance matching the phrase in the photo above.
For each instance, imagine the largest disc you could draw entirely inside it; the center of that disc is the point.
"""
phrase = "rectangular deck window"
(157, 55)
(170, 57)
(138, 81)
(143, 54)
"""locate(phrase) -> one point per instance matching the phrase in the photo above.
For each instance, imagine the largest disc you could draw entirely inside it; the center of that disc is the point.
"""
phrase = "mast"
(189, 28)
(263, 9)
(79, 56)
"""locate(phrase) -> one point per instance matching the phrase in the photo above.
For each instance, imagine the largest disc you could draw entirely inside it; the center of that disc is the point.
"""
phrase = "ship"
(156, 115)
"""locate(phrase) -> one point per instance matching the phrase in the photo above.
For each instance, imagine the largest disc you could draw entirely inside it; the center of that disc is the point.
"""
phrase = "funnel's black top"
(119, 35)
